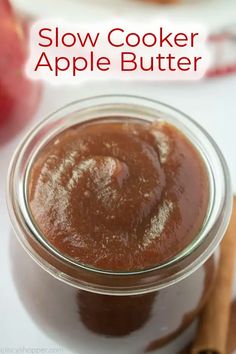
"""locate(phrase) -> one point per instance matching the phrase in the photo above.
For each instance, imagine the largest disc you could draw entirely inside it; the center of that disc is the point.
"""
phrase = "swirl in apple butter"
(120, 195)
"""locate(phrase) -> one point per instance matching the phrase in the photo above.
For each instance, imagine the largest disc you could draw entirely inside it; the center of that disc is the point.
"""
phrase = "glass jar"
(123, 312)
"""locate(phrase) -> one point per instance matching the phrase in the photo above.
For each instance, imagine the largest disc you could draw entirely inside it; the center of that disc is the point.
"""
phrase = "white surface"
(211, 103)
(212, 13)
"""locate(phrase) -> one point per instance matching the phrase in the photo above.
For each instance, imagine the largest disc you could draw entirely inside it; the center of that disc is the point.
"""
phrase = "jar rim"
(161, 275)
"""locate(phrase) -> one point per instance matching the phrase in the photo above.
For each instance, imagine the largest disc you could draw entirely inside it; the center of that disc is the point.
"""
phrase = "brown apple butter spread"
(119, 194)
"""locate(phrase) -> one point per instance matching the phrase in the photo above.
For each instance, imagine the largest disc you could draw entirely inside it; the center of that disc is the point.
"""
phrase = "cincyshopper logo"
(31, 350)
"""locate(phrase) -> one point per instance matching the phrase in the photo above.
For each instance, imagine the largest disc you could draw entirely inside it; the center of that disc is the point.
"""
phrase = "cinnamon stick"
(213, 327)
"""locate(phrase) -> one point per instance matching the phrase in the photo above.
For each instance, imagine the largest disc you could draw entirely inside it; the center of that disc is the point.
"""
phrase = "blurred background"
(211, 102)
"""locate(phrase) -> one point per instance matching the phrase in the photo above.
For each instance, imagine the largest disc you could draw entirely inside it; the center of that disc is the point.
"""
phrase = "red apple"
(19, 96)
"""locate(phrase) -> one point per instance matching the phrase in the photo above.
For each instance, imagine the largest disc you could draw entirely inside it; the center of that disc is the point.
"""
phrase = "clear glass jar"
(136, 311)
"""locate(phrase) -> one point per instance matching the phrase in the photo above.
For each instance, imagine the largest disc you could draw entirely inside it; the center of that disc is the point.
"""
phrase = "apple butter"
(119, 194)
(124, 200)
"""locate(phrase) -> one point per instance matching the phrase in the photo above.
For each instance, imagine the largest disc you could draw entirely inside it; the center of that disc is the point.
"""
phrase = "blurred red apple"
(19, 96)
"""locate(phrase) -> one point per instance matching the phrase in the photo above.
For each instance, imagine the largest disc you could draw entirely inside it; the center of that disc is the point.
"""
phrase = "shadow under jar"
(125, 200)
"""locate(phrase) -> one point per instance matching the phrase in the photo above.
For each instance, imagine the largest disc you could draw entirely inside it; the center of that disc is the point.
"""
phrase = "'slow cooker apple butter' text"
(119, 195)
